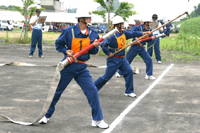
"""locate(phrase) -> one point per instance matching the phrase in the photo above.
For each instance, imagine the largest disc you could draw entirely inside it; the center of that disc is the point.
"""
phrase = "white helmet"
(117, 20)
(147, 20)
(83, 14)
(132, 22)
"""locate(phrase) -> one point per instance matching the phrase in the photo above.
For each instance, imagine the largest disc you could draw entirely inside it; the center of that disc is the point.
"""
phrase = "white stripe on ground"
(131, 106)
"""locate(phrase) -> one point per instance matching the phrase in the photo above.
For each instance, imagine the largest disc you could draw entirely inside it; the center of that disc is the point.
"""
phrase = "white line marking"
(131, 106)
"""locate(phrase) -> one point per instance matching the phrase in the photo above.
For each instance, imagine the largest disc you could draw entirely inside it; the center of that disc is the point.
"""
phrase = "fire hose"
(55, 82)
(148, 38)
(150, 33)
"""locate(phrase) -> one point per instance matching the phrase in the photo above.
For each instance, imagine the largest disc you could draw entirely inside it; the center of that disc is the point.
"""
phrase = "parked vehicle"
(178, 28)
(95, 26)
(15, 24)
(173, 29)
(100, 27)
(47, 27)
(20, 25)
(103, 27)
(6, 25)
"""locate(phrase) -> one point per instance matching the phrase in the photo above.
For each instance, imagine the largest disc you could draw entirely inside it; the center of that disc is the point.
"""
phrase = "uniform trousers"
(82, 76)
(133, 52)
(36, 38)
(113, 64)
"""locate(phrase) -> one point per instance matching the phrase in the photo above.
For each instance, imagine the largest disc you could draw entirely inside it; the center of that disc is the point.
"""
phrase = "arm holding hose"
(70, 60)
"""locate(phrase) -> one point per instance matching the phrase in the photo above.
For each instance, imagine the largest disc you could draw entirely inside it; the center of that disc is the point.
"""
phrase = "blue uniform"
(111, 45)
(77, 71)
(135, 49)
(168, 27)
(36, 37)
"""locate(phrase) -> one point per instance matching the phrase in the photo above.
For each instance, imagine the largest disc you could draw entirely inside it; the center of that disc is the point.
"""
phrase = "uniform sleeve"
(105, 44)
(150, 36)
(132, 34)
(61, 42)
(32, 20)
(135, 28)
(94, 50)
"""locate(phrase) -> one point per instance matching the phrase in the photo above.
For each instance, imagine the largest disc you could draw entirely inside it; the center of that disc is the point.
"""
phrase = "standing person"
(140, 49)
(71, 41)
(156, 42)
(118, 61)
(36, 34)
(168, 28)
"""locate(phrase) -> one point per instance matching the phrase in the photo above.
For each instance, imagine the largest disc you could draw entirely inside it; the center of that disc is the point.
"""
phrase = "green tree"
(10, 7)
(27, 11)
(196, 11)
(71, 10)
(124, 10)
(24, 12)
(3, 7)
(105, 8)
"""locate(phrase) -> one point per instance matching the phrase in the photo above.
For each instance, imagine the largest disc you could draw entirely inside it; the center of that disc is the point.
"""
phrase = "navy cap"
(155, 16)
(38, 11)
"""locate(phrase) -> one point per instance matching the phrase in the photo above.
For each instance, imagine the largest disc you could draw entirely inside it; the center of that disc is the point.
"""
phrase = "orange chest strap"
(79, 43)
(121, 41)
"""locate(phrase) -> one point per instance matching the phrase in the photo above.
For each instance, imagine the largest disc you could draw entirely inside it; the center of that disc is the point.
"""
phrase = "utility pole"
(108, 14)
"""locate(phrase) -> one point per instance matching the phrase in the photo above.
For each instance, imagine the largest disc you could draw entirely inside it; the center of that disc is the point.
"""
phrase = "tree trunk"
(25, 35)
(108, 14)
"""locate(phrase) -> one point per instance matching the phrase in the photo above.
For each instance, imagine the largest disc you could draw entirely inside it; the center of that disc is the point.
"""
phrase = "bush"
(189, 36)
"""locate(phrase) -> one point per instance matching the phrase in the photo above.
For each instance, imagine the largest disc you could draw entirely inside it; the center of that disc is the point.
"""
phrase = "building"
(51, 5)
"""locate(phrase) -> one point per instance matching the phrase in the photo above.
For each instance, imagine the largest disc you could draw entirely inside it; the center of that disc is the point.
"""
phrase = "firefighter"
(118, 61)
(140, 49)
(156, 42)
(71, 41)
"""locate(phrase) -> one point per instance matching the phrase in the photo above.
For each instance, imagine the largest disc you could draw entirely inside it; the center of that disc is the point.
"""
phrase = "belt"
(79, 61)
(139, 45)
(37, 29)
(119, 56)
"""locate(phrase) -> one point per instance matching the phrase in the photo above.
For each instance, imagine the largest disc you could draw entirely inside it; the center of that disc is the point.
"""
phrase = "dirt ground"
(171, 105)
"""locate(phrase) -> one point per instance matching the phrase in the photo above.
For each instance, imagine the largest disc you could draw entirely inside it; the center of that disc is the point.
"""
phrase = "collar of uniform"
(78, 31)
(119, 33)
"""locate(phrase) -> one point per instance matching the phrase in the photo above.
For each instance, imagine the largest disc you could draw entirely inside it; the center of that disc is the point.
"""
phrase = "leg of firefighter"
(66, 77)
(157, 49)
(127, 73)
(149, 63)
(86, 83)
(131, 55)
(112, 67)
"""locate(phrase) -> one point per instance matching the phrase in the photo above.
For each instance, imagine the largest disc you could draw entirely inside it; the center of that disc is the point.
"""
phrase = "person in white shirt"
(156, 42)
(36, 34)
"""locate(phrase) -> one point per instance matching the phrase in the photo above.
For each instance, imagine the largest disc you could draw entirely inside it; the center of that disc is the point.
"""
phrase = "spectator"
(156, 42)
(36, 34)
